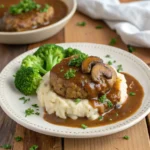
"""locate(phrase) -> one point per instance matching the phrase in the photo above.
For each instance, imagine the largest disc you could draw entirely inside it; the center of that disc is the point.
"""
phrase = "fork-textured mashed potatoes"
(64, 108)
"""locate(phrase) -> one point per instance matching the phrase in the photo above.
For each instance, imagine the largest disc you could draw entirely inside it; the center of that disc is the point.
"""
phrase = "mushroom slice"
(89, 62)
(99, 71)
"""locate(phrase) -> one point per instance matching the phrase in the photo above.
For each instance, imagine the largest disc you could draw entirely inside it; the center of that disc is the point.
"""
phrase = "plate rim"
(68, 135)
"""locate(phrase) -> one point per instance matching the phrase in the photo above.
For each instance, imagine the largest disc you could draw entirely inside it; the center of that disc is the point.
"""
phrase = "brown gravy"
(59, 6)
(130, 107)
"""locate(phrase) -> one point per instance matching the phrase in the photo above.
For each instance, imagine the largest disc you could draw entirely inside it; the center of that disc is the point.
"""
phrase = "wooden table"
(139, 135)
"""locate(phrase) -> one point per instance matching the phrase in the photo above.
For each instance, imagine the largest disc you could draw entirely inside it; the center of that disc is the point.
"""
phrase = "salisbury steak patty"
(26, 21)
(80, 86)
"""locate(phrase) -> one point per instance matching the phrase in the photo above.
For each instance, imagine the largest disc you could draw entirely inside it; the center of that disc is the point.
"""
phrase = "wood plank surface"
(7, 126)
(112, 142)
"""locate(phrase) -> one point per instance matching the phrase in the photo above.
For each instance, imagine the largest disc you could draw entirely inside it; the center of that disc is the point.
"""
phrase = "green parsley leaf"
(61, 70)
(126, 137)
(6, 146)
(82, 24)
(83, 126)
(107, 56)
(24, 99)
(35, 105)
(77, 61)
(117, 114)
(109, 63)
(131, 49)
(18, 138)
(132, 94)
(113, 41)
(114, 61)
(34, 147)
(70, 73)
(78, 100)
(37, 113)
(29, 112)
(45, 9)
(119, 68)
(24, 6)
(2, 6)
(99, 27)
(100, 118)
(109, 104)
(103, 99)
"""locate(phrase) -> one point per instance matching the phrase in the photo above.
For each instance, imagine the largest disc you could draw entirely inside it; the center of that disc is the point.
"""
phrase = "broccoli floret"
(27, 80)
(70, 51)
(34, 62)
(51, 54)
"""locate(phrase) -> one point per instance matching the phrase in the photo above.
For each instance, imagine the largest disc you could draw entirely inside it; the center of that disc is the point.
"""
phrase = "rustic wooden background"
(139, 134)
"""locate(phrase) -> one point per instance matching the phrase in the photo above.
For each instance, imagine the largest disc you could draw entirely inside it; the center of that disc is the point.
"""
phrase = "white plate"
(14, 108)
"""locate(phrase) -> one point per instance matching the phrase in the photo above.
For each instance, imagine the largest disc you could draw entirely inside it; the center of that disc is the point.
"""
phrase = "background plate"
(14, 108)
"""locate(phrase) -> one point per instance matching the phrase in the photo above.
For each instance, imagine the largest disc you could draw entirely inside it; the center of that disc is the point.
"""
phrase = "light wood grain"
(88, 33)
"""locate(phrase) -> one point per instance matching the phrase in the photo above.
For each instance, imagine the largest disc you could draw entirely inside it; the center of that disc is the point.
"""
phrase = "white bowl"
(32, 36)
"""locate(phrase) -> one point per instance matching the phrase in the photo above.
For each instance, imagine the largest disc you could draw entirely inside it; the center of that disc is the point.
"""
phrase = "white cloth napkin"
(130, 20)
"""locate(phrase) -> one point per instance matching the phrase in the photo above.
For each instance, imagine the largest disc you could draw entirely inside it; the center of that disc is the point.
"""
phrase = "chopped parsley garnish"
(78, 100)
(82, 24)
(29, 112)
(77, 61)
(45, 9)
(25, 100)
(6, 146)
(117, 114)
(100, 118)
(126, 137)
(109, 63)
(132, 94)
(119, 68)
(70, 73)
(109, 103)
(34, 147)
(103, 99)
(18, 138)
(24, 6)
(35, 105)
(2, 6)
(114, 61)
(113, 41)
(107, 56)
(83, 126)
(37, 113)
(131, 49)
(99, 27)
(61, 70)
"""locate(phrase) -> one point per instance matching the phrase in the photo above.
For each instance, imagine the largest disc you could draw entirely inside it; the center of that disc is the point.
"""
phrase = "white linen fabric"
(130, 20)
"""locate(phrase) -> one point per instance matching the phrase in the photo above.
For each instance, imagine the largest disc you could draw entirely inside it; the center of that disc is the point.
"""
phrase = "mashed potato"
(68, 108)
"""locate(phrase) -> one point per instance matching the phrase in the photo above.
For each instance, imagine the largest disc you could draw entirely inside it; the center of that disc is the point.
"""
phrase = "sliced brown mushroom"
(99, 71)
(89, 62)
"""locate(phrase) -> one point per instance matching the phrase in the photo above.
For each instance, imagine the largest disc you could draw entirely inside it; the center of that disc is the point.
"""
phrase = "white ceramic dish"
(32, 36)
(14, 108)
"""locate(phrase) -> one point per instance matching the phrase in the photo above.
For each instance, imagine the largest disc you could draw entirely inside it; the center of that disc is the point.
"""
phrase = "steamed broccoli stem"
(51, 62)
(34, 62)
